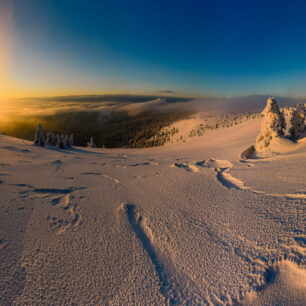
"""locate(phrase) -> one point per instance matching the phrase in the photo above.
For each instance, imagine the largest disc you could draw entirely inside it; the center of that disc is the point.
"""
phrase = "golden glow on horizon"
(12, 87)
(17, 91)
(41, 81)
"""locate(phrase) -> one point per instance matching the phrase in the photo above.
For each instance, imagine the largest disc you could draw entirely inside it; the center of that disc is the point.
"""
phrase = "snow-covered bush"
(38, 138)
(297, 121)
(273, 124)
(91, 143)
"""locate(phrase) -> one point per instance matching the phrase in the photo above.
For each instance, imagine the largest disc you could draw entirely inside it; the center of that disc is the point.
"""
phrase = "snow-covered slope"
(200, 123)
(188, 223)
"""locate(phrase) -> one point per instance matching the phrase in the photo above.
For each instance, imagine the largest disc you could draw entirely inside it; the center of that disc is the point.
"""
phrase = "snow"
(201, 123)
(187, 223)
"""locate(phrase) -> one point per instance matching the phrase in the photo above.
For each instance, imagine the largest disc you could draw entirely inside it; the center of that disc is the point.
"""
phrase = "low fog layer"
(113, 120)
(131, 105)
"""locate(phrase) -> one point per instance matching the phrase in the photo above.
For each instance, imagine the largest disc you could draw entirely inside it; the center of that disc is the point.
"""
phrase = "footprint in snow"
(173, 285)
(72, 220)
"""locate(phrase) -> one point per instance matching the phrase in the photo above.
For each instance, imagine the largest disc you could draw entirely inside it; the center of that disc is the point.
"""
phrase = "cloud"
(135, 109)
(167, 91)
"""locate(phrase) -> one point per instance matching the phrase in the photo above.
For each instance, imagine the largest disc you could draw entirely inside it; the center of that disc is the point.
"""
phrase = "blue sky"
(197, 47)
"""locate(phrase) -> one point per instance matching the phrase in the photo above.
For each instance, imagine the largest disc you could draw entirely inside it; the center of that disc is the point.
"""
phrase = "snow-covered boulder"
(297, 121)
(273, 125)
(38, 138)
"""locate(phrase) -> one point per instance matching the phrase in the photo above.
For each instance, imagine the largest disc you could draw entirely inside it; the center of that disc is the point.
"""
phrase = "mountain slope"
(184, 223)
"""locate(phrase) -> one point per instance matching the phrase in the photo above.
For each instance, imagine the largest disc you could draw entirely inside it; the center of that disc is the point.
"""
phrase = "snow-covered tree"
(273, 124)
(59, 142)
(54, 139)
(38, 138)
(67, 141)
(71, 140)
(49, 138)
(297, 121)
(91, 143)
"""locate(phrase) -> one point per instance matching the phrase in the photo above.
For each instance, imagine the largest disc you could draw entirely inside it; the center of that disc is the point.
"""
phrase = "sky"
(201, 48)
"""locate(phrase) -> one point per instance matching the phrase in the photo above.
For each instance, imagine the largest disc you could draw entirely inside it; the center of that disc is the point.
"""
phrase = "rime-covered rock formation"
(297, 121)
(273, 124)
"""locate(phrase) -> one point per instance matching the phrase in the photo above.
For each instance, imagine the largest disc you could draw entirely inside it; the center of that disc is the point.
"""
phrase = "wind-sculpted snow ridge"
(217, 163)
(186, 166)
(173, 285)
(223, 167)
(110, 178)
(210, 163)
(229, 181)
(11, 148)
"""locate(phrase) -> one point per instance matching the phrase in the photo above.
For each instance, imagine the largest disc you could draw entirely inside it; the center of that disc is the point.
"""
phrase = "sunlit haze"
(202, 48)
